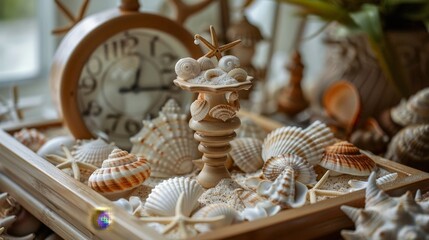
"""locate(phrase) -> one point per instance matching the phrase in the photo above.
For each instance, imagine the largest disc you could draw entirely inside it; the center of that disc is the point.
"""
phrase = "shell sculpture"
(168, 144)
(30, 138)
(223, 112)
(214, 210)
(307, 143)
(187, 68)
(93, 151)
(411, 147)
(199, 109)
(344, 158)
(413, 111)
(246, 154)
(205, 63)
(119, 174)
(303, 171)
(386, 217)
(249, 129)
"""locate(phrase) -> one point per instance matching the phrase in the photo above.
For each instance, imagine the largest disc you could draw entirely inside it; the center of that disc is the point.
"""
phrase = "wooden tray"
(67, 206)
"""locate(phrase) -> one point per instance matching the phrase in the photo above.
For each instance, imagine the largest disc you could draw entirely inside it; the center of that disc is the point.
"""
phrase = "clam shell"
(163, 198)
(413, 111)
(119, 173)
(30, 138)
(223, 112)
(199, 109)
(343, 157)
(249, 129)
(187, 68)
(303, 171)
(93, 151)
(171, 107)
(246, 154)
(229, 62)
(238, 74)
(205, 63)
(214, 210)
(53, 146)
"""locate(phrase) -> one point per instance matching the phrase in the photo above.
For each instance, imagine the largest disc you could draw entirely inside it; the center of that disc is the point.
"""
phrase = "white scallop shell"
(229, 62)
(92, 151)
(303, 171)
(214, 210)
(238, 74)
(199, 109)
(246, 154)
(187, 68)
(205, 63)
(163, 198)
(53, 146)
(30, 138)
(171, 107)
(250, 129)
(223, 112)
(168, 144)
(212, 74)
(124, 204)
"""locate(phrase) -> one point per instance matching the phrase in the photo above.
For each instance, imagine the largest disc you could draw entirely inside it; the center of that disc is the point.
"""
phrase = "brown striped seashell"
(238, 74)
(205, 63)
(30, 138)
(413, 111)
(249, 198)
(93, 151)
(246, 154)
(229, 62)
(249, 129)
(223, 112)
(187, 68)
(199, 109)
(231, 216)
(119, 174)
(303, 171)
(344, 158)
(411, 147)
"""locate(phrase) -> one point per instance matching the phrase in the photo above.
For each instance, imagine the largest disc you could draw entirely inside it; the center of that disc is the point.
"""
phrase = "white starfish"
(180, 220)
(315, 191)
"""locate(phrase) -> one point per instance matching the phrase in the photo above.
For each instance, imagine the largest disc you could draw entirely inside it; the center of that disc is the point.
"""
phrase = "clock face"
(128, 78)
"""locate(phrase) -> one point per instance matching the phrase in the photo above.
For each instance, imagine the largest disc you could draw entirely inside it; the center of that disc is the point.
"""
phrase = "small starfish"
(214, 48)
(314, 191)
(180, 220)
(70, 162)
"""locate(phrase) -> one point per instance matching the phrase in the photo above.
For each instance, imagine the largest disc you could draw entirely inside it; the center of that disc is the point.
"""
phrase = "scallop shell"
(30, 138)
(231, 97)
(171, 107)
(246, 154)
(163, 198)
(238, 74)
(214, 210)
(53, 146)
(249, 198)
(308, 143)
(211, 74)
(223, 112)
(187, 68)
(199, 109)
(229, 62)
(411, 147)
(205, 63)
(357, 184)
(413, 111)
(119, 173)
(168, 144)
(93, 151)
(249, 129)
(303, 171)
(344, 158)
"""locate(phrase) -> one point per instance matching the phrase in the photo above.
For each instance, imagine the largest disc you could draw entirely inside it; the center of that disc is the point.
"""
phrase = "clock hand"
(154, 88)
(135, 85)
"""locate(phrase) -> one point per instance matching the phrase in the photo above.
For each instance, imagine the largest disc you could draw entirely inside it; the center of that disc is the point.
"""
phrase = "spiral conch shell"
(30, 138)
(187, 68)
(199, 109)
(93, 151)
(223, 112)
(238, 74)
(246, 154)
(206, 63)
(120, 173)
(303, 171)
(229, 62)
(413, 111)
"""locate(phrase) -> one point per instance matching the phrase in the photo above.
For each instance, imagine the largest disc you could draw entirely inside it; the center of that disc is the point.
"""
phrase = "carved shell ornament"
(199, 109)
(187, 68)
(223, 112)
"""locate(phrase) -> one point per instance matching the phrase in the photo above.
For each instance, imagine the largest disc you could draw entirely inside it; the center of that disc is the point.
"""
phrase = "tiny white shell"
(92, 151)
(187, 68)
(229, 62)
(199, 109)
(53, 146)
(205, 63)
(238, 74)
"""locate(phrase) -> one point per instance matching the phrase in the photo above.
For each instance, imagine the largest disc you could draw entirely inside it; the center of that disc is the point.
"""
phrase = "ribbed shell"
(344, 157)
(308, 143)
(303, 171)
(187, 68)
(171, 107)
(229, 62)
(168, 144)
(222, 112)
(246, 154)
(238, 74)
(93, 151)
(249, 129)
(163, 198)
(30, 138)
(249, 198)
(199, 109)
(413, 111)
(206, 63)
(214, 210)
(120, 172)
(357, 184)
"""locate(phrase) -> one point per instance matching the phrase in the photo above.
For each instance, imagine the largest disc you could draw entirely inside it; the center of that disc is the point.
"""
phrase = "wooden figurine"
(214, 112)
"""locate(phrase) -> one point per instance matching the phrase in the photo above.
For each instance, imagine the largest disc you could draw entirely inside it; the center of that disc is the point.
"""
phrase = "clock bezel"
(78, 45)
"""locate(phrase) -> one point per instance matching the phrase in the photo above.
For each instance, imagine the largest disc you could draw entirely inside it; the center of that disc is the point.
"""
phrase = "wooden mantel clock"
(115, 68)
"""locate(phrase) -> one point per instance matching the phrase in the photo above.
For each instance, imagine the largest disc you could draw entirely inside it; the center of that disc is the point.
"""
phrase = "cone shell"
(163, 198)
(344, 157)
(238, 74)
(249, 129)
(168, 144)
(303, 171)
(308, 143)
(223, 112)
(231, 216)
(120, 172)
(171, 107)
(30, 138)
(229, 62)
(187, 68)
(246, 154)
(206, 63)
(199, 109)
(413, 111)
(93, 151)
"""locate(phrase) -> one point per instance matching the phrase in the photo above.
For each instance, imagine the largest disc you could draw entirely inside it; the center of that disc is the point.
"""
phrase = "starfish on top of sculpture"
(214, 48)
